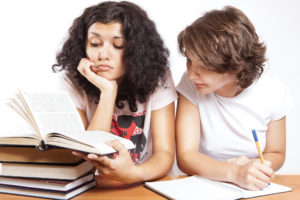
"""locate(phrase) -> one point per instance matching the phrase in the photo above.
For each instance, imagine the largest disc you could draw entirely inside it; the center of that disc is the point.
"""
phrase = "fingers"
(118, 146)
(84, 66)
(104, 160)
(84, 156)
(256, 184)
(104, 164)
(266, 170)
(80, 154)
(254, 175)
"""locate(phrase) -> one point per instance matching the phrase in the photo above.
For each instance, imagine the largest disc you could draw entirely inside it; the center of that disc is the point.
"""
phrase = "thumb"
(118, 146)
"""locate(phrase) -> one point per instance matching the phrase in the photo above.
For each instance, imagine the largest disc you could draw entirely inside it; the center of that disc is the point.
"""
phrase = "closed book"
(30, 155)
(47, 184)
(47, 193)
(45, 171)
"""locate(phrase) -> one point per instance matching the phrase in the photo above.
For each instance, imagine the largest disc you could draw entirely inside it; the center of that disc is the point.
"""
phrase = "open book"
(195, 187)
(54, 121)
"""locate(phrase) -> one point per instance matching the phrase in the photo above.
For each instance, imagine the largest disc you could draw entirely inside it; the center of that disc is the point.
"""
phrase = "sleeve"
(282, 101)
(187, 89)
(164, 95)
(66, 84)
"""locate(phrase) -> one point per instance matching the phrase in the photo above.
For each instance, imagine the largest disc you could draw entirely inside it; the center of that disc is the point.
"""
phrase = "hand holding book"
(120, 169)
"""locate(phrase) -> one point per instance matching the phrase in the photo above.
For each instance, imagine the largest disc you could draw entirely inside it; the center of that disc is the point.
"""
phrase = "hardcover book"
(47, 184)
(43, 171)
(47, 193)
(55, 122)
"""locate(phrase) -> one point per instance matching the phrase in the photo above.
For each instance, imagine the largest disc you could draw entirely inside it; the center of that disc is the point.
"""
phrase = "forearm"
(277, 159)
(157, 166)
(195, 163)
(103, 115)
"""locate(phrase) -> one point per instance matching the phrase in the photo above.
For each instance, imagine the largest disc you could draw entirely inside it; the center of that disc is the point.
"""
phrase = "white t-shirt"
(131, 125)
(226, 123)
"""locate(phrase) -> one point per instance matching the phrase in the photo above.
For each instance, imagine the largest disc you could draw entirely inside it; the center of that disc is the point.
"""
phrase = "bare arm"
(103, 114)
(122, 170)
(189, 159)
(251, 174)
(276, 143)
(163, 135)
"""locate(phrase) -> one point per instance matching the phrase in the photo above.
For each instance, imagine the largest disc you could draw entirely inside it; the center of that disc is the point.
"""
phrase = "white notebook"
(196, 187)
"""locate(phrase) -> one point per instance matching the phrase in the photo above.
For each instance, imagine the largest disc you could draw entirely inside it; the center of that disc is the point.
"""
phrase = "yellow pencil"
(257, 146)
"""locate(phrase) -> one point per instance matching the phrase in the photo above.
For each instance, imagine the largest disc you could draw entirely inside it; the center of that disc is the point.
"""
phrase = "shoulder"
(72, 88)
(164, 93)
(269, 85)
(273, 94)
(187, 88)
(68, 84)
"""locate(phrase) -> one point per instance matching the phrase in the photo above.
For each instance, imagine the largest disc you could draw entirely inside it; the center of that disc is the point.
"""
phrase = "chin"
(104, 75)
(204, 91)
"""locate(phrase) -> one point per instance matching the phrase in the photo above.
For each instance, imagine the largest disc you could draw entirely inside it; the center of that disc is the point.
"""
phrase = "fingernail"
(92, 156)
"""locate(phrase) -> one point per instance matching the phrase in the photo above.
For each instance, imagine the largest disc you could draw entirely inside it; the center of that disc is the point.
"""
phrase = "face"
(105, 48)
(207, 81)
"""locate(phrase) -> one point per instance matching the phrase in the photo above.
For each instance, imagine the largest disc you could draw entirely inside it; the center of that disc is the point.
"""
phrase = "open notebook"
(196, 186)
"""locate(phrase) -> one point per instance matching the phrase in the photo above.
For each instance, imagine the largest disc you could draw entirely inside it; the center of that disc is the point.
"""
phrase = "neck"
(229, 91)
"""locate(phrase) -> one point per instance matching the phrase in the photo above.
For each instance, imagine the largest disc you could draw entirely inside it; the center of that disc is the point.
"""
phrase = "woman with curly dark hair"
(115, 67)
(223, 100)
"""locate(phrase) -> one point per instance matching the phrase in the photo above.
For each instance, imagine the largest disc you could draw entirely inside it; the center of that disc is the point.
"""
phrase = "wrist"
(110, 95)
(231, 175)
(110, 90)
(135, 175)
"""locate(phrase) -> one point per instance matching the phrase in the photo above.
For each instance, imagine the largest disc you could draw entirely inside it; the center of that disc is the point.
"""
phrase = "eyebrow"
(115, 37)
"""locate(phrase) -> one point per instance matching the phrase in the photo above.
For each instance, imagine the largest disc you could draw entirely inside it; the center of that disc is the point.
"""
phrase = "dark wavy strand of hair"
(145, 57)
(226, 41)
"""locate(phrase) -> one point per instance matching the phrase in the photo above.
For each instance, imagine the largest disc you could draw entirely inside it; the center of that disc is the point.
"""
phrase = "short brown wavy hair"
(226, 41)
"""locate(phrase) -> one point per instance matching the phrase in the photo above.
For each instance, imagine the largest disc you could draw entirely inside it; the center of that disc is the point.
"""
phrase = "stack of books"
(55, 129)
(54, 174)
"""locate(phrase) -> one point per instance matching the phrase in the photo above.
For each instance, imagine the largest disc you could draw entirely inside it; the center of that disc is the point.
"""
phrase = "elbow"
(279, 164)
(183, 162)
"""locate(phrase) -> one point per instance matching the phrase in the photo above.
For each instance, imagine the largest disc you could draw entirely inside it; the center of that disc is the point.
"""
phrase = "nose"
(104, 52)
(192, 75)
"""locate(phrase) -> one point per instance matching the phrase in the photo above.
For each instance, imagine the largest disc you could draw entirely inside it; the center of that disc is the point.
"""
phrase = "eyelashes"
(99, 44)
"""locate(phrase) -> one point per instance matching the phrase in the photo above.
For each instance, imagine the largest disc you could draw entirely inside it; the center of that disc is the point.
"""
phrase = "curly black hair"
(145, 58)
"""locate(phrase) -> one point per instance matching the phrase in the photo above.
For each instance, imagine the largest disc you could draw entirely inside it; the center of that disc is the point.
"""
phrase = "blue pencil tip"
(254, 135)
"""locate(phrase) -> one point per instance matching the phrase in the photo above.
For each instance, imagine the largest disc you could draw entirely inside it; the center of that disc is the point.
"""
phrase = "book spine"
(42, 146)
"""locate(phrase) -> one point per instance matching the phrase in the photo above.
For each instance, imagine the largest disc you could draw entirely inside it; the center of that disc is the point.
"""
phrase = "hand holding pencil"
(252, 174)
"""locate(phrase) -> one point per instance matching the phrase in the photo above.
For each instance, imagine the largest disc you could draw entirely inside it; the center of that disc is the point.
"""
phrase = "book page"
(17, 106)
(13, 125)
(88, 141)
(192, 188)
(273, 188)
(53, 112)
(14, 129)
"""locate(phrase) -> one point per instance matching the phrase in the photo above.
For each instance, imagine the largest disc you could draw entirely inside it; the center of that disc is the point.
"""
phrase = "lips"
(199, 84)
(102, 68)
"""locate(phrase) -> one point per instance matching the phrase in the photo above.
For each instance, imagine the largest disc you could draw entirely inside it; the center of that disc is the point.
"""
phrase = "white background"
(33, 31)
